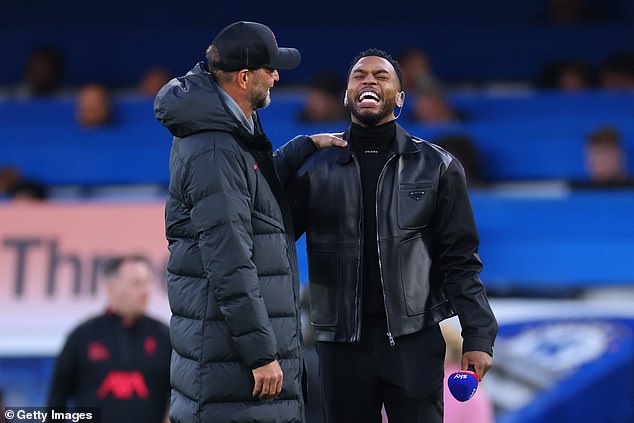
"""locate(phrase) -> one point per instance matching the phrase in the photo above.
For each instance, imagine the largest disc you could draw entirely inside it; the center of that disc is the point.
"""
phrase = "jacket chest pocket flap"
(265, 224)
(416, 203)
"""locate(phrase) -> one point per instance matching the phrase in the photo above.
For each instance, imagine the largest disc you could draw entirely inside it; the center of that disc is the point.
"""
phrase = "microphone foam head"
(463, 384)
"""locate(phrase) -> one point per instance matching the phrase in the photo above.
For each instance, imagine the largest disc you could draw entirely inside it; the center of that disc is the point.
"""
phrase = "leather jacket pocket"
(414, 263)
(416, 202)
(324, 269)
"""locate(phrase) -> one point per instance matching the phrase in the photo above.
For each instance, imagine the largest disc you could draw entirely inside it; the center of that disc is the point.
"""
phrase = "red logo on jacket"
(149, 345)
(98, 352)
(123, 385)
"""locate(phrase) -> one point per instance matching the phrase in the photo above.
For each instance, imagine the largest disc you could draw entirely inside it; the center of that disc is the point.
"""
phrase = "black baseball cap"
(251, 45)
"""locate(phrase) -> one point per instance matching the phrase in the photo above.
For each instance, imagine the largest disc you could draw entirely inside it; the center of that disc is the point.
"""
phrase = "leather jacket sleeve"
(459, 262)
(290, 156)
(288, 160)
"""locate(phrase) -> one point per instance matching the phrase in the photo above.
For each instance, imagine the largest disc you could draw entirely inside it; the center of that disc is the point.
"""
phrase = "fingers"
(268, 381)
(271, 388)
(269, 391)
(337, 141)
(328, 140)
(257, 388)
(278, 387)
(464, 363)
(470, 365)
(480, 360)
(478, 370)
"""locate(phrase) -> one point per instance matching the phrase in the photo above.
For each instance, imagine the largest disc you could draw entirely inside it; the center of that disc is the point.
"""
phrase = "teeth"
(369, 95)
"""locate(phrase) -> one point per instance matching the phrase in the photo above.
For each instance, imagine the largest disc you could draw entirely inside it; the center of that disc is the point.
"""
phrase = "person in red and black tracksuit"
(118, 361)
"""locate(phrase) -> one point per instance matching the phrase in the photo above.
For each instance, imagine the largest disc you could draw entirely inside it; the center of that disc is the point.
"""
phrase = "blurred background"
(535, 97)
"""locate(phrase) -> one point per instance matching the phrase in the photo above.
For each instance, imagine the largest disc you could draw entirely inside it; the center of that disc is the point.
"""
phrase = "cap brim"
(288, 58)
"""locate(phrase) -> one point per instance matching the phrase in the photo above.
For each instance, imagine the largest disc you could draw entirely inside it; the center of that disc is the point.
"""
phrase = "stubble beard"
(371, 118)
(260, 96)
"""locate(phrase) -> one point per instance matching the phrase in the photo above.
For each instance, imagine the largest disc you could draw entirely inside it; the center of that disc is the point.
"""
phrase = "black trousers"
(358, 378)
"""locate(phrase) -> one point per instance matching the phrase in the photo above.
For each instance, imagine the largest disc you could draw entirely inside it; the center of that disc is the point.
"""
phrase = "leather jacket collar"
(403, 144)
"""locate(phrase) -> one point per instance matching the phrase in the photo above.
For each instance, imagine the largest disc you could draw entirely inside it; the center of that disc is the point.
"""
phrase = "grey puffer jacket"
(232, 273)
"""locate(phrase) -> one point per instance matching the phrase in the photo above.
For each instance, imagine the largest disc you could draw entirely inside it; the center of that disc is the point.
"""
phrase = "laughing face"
(372, 90)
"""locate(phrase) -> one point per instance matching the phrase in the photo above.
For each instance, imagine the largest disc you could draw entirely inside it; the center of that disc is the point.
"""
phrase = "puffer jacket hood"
(191, 104)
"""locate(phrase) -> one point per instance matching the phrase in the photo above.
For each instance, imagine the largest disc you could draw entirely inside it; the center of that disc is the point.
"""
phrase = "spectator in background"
(118, 361)
(568, 75)
(575, 75)
(478, 409)
(153, 80)
(44, 73)
(9, 177)
(93, 106)
(13, 187)
(324, 100)
(617, 72)
(28, 191)
(432, 107)
(570, 12)
(463, 148)
(605, 159)
(417, 73)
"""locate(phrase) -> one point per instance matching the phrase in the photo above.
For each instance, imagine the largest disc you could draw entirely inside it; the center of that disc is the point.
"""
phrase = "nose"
(369, 80)
(276, 75)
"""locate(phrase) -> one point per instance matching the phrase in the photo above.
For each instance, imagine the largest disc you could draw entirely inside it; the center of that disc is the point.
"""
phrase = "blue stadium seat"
(540, 137)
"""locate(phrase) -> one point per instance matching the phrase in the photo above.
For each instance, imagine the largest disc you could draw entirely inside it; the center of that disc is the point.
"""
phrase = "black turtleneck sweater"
(372, 148)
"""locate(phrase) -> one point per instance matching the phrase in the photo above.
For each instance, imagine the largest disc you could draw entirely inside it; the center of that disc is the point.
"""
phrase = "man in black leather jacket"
(392, 251)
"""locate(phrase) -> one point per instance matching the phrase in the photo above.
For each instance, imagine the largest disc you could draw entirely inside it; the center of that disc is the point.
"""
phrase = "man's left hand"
(478, 359)
(328, 140)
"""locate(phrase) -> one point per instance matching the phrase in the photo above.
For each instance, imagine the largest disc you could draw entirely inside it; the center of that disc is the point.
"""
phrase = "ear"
(345, 98)
(400, 98)
(242, 78)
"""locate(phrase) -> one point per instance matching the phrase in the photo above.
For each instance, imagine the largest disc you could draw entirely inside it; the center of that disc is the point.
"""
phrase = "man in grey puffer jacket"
(232, 275)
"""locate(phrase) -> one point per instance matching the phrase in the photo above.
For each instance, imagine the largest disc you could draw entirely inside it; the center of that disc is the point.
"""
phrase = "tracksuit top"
(121, 368)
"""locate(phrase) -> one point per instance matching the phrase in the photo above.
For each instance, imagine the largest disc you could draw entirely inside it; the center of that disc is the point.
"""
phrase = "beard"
(259, 96)
(371, 118)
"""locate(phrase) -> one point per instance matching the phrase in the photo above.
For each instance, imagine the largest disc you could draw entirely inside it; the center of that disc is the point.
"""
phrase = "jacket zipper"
(124, 345)
(357, 298)
(378, 246)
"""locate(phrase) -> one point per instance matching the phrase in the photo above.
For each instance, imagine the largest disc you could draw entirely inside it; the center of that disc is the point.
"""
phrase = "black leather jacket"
(427, 240)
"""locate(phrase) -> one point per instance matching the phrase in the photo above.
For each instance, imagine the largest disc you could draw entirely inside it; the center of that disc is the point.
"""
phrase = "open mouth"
(369, 98)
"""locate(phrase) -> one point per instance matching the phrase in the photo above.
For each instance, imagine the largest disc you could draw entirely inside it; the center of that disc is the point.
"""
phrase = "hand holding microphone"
(463, 384)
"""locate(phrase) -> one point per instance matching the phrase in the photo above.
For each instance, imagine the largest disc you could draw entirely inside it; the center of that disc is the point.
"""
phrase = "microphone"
(463, 384)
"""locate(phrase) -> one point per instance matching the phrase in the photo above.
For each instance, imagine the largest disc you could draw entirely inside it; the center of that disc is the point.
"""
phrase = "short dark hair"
(382, 54)
(606, 135)
(112, 266)
(213, 61)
